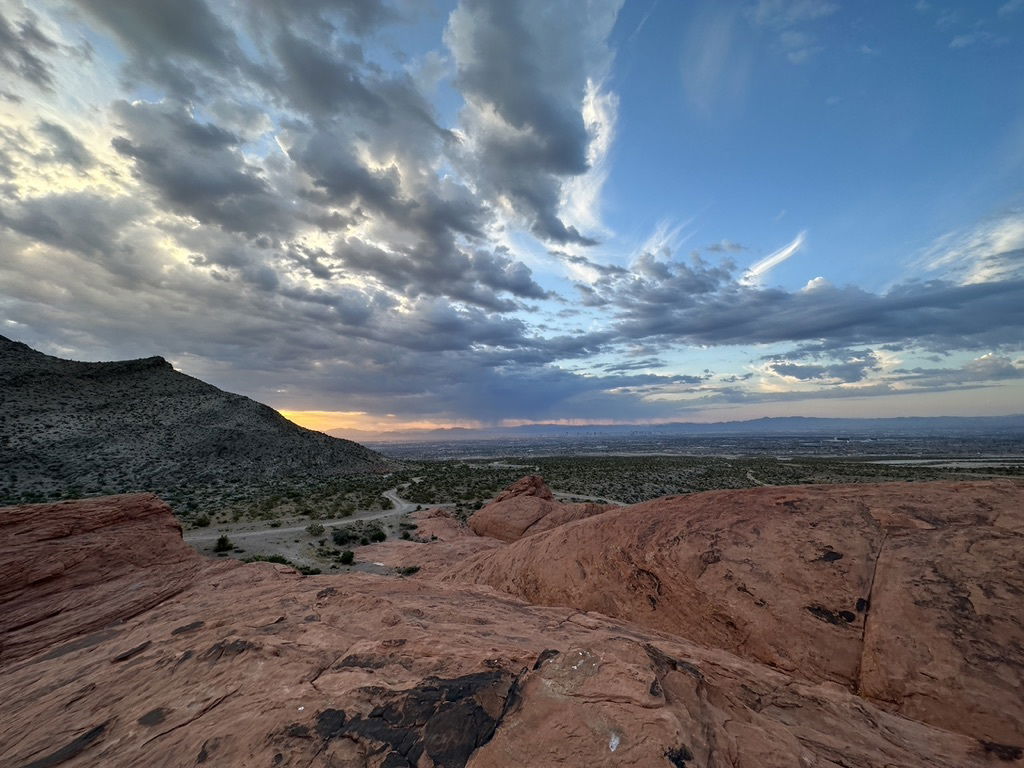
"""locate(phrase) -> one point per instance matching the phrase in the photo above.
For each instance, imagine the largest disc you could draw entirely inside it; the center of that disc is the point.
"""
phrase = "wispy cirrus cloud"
(756, 271)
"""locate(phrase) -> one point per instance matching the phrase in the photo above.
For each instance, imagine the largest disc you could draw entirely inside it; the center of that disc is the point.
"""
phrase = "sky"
(389, 215)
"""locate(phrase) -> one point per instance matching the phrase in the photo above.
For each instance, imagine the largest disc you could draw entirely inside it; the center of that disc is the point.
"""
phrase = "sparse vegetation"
(223, 544)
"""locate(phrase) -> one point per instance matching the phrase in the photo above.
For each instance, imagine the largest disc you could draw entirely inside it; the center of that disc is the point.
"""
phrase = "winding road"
(240, 534)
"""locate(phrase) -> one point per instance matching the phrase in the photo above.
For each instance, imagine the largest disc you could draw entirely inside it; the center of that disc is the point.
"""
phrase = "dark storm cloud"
(844, 371)
(473, 277)
(320, 82)
(523, 71)
(695, 303)
(199, 169)
(180, 45)
(65, 147)
(85, 223)
(23, 51)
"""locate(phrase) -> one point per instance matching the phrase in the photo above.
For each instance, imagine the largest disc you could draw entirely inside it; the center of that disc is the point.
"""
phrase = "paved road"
(401, 505)
(241, 534)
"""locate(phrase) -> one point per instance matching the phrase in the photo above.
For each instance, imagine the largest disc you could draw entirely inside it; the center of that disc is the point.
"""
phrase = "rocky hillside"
(121, 647)
(141, 425)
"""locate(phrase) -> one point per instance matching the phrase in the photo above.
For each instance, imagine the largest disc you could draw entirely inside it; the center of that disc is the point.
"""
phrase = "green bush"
(378, 534)
(223, 544)
(341, 536)
(315, 529)
(348, 557)
(202, 521)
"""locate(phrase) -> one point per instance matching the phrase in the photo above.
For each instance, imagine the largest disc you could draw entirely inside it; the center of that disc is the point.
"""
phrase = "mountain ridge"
(141, 425)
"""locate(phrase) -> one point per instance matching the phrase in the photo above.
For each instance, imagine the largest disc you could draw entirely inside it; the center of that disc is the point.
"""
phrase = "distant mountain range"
(789, 425)
(141, 425)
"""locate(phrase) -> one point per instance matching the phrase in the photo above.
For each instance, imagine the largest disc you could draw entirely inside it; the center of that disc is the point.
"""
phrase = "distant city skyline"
(382, 216)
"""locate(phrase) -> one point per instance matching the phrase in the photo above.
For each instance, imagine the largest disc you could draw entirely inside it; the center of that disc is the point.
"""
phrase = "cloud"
(198, 168)
(65, 147)
(23, 50)
(181, 45)
(85, 223)
(988, 252)
(715, 61)
(759, 269)
(789, 20)
(850, 369)
(524, 76)
(725, 246)
(785, 13)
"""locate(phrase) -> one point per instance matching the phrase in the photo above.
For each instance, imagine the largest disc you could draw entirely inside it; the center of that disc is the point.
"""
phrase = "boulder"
(527, 506)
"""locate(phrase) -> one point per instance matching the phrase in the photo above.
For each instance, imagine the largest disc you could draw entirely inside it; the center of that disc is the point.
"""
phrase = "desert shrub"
(348, 557)
(341, 536)
(409, 570)
(315, 529)
(202, 521)
(223, 544)
(279, 559)
(377, 534)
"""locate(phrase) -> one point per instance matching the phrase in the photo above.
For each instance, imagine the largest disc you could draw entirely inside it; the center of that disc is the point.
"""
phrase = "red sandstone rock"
(252, 665)
(910, 593)
(74, 566)
(528, 485)
(527, 507)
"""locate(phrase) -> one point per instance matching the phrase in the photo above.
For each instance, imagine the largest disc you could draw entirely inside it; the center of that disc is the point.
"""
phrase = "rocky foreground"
(808, 626)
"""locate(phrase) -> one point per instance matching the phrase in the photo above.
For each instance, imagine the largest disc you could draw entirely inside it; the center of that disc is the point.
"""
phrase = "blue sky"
(380, 215)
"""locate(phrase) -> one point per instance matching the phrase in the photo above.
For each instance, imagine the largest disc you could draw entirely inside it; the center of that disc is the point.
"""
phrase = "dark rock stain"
(297, 731)
(663, 663)
(446, 719)
(210, 745)
(188, 628)
(362, 661)
(830, 556)
(678, 756)
(1002, 751)
(549, 653)
(83, 642)
(72, 749)
(155, 716)
(329, 724)
(839, 618)
(125, 655)
(224, 648)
